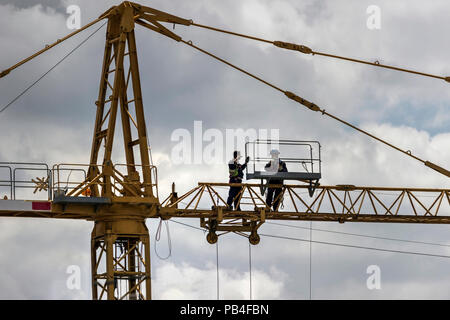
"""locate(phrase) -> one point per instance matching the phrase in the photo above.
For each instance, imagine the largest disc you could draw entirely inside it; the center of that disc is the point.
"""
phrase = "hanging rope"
(217, 266)
(250, 267)
(310, 260)
(158, 237)
(68, 177)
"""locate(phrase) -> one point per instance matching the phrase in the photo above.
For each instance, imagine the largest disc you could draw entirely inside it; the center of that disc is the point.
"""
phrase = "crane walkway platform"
(81, 200)
(283, 175)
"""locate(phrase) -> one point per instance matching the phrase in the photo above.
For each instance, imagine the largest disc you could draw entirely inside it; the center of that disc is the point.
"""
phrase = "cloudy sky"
(53, 123)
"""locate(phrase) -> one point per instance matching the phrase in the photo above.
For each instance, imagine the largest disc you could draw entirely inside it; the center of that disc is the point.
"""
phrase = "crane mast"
(119, 198)
(117, 230)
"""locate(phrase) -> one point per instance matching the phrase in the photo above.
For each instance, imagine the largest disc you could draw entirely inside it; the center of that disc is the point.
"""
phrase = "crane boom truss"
(340, 203)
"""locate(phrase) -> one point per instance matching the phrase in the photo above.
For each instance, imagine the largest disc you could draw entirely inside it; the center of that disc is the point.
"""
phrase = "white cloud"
(183, 281)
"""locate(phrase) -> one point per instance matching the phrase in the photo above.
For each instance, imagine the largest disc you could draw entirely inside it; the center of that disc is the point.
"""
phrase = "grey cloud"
(21, 4)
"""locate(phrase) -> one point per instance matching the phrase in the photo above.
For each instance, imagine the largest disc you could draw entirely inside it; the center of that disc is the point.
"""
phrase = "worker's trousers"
(233, 194)
(270, 197)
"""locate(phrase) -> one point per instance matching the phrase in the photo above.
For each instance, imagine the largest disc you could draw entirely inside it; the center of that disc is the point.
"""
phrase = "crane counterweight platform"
(119, 198)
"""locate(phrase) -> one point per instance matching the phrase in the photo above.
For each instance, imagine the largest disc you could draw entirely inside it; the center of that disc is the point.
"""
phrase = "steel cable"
(306, 50)
(41, 77)
(314, 107)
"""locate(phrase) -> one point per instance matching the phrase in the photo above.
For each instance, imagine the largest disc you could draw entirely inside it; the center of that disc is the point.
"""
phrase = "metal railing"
(310, 164)
(28, 180)
(22, 176)
(67, 183)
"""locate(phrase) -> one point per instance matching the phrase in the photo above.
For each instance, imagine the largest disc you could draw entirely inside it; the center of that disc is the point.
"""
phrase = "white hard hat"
(274, 151)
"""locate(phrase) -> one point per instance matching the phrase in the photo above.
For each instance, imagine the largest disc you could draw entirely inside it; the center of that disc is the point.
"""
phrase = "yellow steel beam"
(330, 203)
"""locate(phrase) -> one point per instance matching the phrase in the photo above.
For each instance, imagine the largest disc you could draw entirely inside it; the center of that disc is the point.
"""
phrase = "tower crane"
(118, 198)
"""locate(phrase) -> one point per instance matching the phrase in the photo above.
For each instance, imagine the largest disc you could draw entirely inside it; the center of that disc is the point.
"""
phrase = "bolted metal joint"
(302, 101)
(293, 46)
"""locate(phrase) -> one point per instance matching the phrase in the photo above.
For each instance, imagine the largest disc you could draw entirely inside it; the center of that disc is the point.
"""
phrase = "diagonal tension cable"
(307, 50)
(155, 26)
(313, 107)
(54, 44)
(49, 70)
